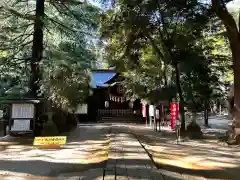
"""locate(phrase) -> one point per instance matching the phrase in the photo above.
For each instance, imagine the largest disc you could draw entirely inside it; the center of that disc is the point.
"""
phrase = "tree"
(61, 35)
(165, 31)
(233, 34)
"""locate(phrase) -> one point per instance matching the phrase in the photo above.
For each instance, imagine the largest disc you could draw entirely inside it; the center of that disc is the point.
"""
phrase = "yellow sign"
(50, 140)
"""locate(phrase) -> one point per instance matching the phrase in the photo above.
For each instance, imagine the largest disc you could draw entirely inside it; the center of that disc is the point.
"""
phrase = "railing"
(117, 112)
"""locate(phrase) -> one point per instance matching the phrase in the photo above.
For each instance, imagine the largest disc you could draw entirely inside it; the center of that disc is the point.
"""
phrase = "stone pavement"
(86, 149)
(117, 151)
(128, 160)
(191, 159)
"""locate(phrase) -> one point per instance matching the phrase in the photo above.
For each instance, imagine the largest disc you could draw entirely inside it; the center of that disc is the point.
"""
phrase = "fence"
(117, 112)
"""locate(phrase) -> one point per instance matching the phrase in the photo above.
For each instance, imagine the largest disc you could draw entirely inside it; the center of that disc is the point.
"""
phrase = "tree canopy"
(69, 33)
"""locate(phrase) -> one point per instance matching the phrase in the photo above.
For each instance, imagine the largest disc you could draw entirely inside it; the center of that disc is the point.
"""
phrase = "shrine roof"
(100, 77)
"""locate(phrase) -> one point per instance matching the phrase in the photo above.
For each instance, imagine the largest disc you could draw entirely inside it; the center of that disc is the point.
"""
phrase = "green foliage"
(149, 40)
(70, 31)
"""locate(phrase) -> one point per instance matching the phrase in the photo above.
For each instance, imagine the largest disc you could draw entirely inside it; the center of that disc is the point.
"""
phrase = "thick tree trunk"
(37, 49)
(234, 39)
(181, 102)
(206, 104)
(236, 59)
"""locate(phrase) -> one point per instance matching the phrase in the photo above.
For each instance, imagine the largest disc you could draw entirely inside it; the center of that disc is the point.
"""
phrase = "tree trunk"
(37, 49)
(234, 39)
(206, 104)
(236, 58)
(181, 102)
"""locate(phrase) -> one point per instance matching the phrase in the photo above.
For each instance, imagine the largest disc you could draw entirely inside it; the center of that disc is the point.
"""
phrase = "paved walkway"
(192, 159)
(127, 158)
(114, 152)
(86, 149)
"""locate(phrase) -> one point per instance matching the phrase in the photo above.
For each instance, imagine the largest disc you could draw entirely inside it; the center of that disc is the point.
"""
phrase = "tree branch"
(21, 45)
(13, 11)
(157, 50)
(68, 28)
(60, 24)
(21, 36)
(227, 19)
(239, 20)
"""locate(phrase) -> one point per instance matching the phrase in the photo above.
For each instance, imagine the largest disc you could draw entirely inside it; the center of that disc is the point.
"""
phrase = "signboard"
(144, 112)
(82, 109)
(151, 111)
(157, 114)
(24, 111)
(50, 140)
(1, 113)
(174, 114)
(21, 125)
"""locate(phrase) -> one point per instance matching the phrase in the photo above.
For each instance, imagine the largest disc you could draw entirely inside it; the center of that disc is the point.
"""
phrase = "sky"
(233, 5)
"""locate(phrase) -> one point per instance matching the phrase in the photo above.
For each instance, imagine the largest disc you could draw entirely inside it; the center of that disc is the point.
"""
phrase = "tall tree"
(233, 33)
(49, 43)
(166, 27)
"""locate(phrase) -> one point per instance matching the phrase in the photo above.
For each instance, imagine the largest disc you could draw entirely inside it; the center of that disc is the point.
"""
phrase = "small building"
(107, 100)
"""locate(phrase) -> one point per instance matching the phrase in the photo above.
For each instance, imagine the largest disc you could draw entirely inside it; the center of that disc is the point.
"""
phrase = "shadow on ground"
(199, 158)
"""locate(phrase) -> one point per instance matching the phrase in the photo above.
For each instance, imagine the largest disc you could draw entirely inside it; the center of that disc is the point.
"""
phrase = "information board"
(49, 140)
(21, 125)
(82, 109)
(24, 111)
(1, 113)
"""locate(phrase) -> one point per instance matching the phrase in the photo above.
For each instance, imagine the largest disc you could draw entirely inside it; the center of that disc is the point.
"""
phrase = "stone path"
(128, 160)
(191, 159)
(95, 153)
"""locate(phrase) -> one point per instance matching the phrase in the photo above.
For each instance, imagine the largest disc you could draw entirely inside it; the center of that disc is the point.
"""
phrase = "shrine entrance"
(108, 101)
(119, 109)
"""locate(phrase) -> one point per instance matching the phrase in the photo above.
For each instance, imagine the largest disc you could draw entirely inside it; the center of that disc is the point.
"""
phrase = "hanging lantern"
(131, 104)
(106, 104)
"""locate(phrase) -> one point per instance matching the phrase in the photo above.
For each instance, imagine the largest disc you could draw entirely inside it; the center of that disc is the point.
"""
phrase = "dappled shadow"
(136, 169)
(199, 158)
(87, 156)
(86, 148)
(54, 168)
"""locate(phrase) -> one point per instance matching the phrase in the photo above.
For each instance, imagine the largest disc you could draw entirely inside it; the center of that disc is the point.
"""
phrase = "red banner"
(174, 113)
